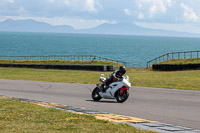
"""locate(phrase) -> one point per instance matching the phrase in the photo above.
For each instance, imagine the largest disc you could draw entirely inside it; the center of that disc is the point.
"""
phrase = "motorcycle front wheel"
(95, 94)
(122, 97)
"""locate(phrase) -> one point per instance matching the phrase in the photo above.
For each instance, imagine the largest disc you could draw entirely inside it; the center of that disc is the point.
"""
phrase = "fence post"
(147, 64)
(178, 55)
(184, 55)
(167, 56)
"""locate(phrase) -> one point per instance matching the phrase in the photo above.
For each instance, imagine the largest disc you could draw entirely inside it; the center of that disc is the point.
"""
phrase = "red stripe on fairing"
(122, 90)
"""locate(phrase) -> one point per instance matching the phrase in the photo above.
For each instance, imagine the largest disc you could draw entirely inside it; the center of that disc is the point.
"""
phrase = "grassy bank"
(61, 62)
(18, 116)
(139, 77)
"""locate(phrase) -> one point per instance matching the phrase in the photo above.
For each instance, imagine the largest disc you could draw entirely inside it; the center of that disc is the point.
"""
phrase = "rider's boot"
(105, 88)
(102, 89)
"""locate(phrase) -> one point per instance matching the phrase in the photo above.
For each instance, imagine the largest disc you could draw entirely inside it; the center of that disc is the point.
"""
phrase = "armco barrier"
(175, 55)
(171, 67)
(62, 66)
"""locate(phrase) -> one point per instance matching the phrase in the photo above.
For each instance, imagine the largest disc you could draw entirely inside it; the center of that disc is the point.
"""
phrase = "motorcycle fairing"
(122, 90)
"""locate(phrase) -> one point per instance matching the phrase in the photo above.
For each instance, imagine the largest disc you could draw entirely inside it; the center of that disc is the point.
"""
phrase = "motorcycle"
(118, 90)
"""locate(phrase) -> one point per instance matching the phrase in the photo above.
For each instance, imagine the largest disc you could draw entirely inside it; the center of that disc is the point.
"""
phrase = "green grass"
(21, 117)
(61, 62)
(181, 61)
(189, 80)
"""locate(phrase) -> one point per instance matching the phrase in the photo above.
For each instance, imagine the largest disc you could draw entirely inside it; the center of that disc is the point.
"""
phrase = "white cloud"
(90, 6)
(11, 1)
(127, 12)
(51, 1)
(140, 16)
(79, 5)
(67, 2)
(153, 7)
(189, 15)
(76, 23)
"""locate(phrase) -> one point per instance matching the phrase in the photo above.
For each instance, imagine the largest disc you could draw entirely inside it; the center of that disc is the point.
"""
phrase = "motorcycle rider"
(115, 76)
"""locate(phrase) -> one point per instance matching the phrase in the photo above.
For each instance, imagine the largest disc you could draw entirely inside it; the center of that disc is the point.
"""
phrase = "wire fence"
(72, 58)
(174, 55)
(165, 57)
(61, 58)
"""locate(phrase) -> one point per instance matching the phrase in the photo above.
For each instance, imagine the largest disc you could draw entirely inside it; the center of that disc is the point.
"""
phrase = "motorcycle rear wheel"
(122, 97)
(95, 94)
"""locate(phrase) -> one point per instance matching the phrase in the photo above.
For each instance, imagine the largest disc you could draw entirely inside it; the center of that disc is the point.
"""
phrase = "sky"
(179, 15)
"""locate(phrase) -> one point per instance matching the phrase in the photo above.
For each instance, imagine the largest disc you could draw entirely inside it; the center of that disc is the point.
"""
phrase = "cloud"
(67, 2)
(127, 12)
(189, 15)
(79, 5)
(11, 1)
(152, 7)
(76, 23)
(140, 16)
(88, 13)
(90, 5)
(51, 1)
(50, 8)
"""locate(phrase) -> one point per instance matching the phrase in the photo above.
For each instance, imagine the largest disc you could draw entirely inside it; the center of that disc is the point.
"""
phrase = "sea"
(128, 48)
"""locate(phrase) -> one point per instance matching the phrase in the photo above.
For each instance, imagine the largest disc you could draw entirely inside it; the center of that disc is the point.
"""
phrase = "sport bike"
(118, 90)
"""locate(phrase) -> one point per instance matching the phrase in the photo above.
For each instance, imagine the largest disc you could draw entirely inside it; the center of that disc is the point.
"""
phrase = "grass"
(19, 116)
(61, 62)
(181, 61)
(189, 80)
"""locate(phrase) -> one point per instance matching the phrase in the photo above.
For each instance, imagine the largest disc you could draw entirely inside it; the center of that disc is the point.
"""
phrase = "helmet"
(122, 69)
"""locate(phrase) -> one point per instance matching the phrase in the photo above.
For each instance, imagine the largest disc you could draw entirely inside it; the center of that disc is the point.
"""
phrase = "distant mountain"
(131, 29)
(119, 28)
(32, 26)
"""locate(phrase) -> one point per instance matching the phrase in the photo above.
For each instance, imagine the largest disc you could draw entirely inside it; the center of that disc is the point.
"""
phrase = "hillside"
(31, 26)
(119, 28)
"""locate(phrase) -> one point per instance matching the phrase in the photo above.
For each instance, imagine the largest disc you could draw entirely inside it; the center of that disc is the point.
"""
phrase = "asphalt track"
(177, 107)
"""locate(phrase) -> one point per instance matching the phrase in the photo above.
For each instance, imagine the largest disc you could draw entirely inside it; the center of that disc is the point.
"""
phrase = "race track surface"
(177, 107)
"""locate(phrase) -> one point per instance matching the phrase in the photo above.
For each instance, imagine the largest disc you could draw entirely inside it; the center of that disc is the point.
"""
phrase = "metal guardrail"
(174, 55)
(73, 58)
(61, 58)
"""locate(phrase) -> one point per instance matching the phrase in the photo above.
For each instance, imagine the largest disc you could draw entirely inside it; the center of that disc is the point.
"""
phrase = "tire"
(122, 97)
(95, 94)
